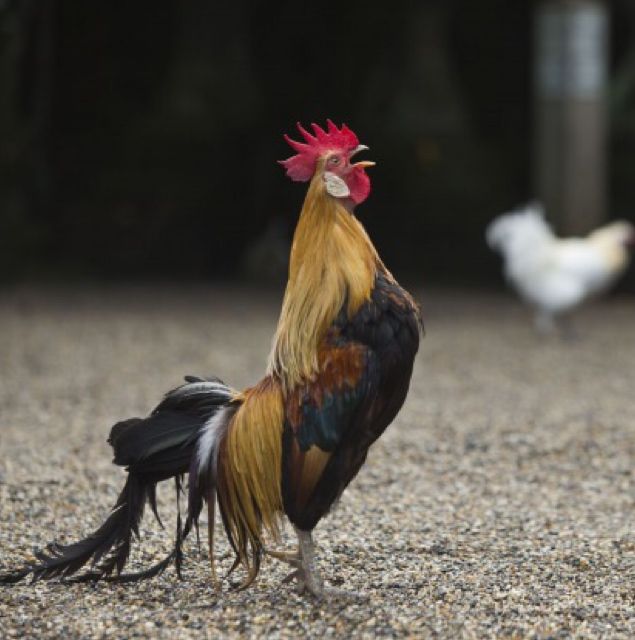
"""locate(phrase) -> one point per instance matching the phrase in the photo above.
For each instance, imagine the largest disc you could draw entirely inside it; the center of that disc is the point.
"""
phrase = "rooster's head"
(329, 153)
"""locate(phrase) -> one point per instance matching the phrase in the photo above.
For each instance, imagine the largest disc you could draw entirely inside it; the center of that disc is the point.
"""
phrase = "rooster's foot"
(311, 583)
(306, 573)
(290, 557)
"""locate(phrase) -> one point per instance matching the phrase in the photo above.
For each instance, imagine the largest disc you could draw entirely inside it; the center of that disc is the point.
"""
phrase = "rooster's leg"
(308, 574)
(305, 569)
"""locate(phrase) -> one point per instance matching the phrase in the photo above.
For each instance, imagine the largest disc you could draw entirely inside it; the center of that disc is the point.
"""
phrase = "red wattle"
(359, 185)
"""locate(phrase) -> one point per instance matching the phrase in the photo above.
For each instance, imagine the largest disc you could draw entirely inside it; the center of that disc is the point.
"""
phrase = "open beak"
(363, 163)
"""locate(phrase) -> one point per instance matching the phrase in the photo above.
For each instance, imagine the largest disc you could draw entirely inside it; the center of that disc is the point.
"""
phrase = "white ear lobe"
(335, 186)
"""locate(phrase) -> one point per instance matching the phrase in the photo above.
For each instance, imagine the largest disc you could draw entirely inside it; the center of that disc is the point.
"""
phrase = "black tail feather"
(151, 493)
(175, 555)
(113, 536)
(111, 542)
(13, 577)
(153, 449)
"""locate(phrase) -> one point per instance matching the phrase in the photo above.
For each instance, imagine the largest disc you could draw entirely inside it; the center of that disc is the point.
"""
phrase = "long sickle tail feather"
(175, 556)
(108, 547)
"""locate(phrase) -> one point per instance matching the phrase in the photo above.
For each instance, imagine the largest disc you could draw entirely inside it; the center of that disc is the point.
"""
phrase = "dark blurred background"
(139, 139)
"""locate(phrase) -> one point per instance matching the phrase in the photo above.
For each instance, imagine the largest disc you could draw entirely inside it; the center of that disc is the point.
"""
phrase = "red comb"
(301, 166)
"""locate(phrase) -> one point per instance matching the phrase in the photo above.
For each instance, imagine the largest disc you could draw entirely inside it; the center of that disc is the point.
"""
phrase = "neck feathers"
(332, 262)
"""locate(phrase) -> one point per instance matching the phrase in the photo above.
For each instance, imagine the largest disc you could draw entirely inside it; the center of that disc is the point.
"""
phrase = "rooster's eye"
(334, 160)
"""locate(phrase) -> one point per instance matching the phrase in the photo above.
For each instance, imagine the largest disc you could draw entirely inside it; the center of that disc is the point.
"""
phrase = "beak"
(364, 163)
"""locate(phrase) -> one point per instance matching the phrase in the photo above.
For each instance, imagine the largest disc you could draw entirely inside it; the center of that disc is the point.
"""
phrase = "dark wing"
(365, 368)
(390, 323)
(320, 416)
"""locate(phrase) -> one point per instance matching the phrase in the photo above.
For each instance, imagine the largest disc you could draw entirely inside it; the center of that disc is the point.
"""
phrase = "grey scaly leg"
(306, 571)
(309, 577)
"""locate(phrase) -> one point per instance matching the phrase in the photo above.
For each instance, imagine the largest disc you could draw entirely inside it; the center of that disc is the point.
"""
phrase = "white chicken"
(552, 274)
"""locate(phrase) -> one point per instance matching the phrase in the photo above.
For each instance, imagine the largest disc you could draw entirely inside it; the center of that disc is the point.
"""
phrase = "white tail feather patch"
(202, 387)
(210, 437)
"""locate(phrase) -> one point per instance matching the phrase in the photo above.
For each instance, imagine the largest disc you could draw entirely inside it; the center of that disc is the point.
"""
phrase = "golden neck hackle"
(332, 262)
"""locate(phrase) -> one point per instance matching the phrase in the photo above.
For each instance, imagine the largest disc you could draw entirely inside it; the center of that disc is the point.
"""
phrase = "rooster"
(338, 373)
(556, 275)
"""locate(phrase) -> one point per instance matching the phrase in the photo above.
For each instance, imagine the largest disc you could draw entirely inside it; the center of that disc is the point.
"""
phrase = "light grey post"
(570, 112)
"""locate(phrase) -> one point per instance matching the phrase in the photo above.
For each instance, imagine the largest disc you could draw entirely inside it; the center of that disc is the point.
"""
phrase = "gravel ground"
(499, 504)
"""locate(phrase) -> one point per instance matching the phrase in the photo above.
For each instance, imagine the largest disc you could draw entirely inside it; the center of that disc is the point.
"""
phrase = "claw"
(298, 575)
